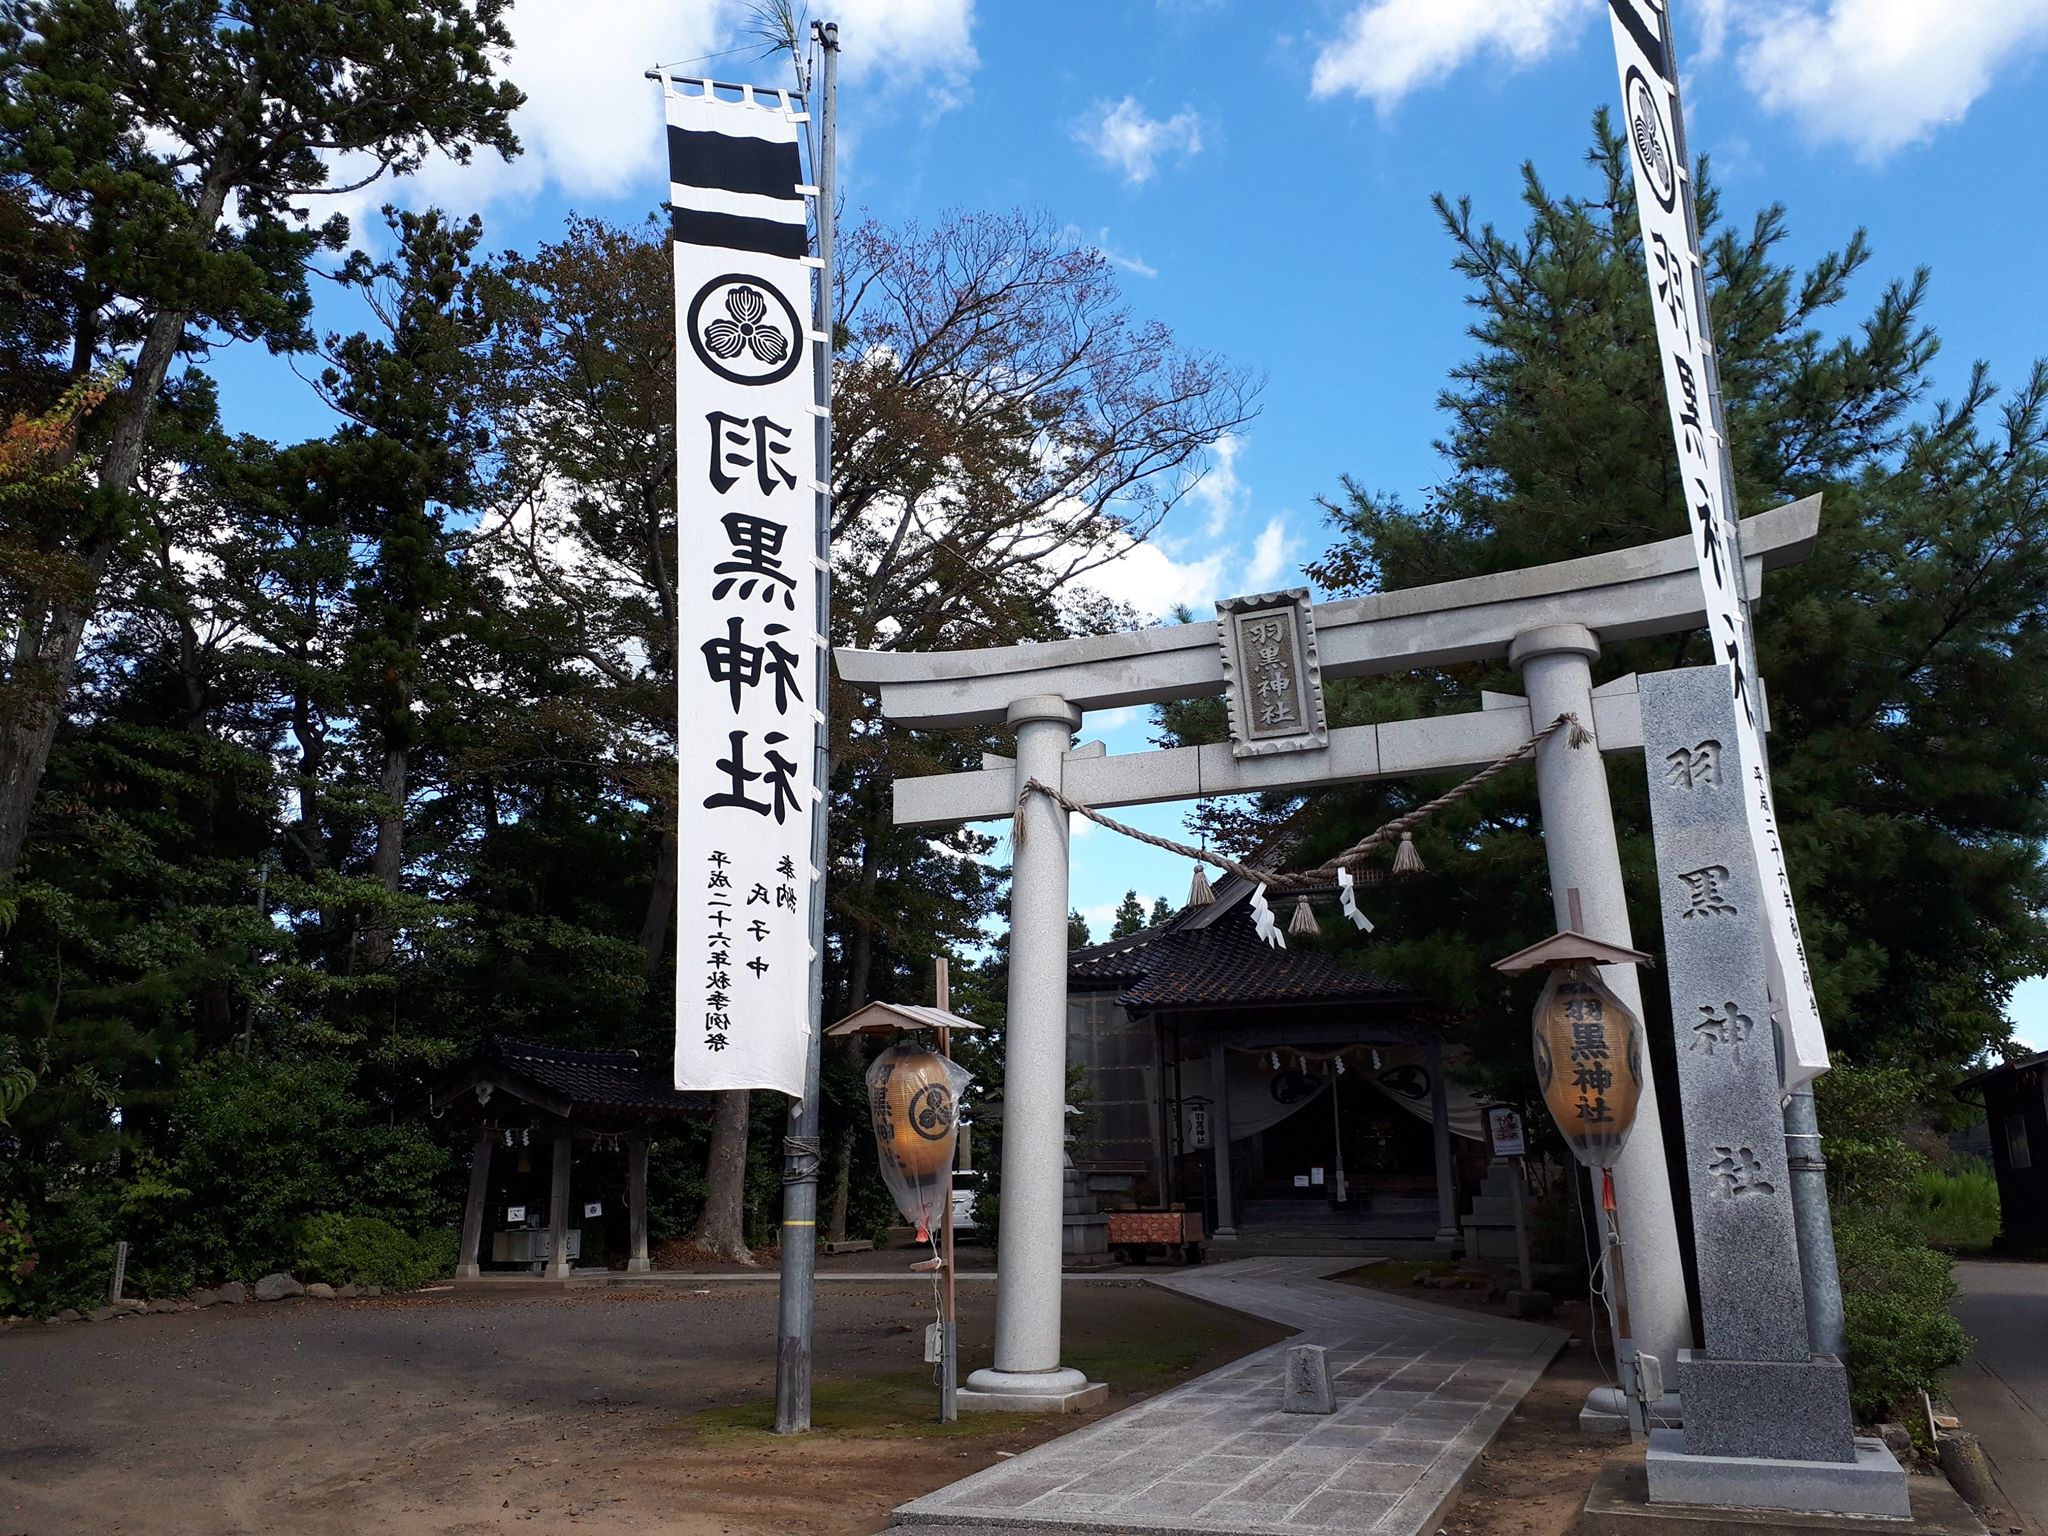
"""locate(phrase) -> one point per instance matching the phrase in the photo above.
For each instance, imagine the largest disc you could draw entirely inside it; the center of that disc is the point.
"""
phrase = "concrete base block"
(1606, 1412)
(1064, 1390)
(644, 1266)
(1873, 1484)
(1531, 1303)
(1791, 1410)
(1619, 1505)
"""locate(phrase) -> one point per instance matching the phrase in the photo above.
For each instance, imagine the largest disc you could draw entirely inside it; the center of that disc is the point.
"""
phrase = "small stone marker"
(1308, 1381)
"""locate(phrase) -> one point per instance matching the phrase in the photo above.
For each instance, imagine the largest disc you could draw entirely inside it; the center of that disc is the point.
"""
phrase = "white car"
(964, 1180)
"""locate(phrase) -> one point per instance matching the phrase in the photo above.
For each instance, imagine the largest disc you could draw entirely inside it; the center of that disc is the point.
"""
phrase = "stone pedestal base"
(1064, 1390)
(1796, 1410)
(1619, 1505)
(1873, 1484)
(639, 1266)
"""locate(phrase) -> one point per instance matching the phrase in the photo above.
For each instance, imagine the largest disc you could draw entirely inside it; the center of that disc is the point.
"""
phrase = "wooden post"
(637, 1263)
(1517, 1168)
(469, 1262)
(1440, 1125)
(949, 1319)
(1219, 1131)
(558, 1207)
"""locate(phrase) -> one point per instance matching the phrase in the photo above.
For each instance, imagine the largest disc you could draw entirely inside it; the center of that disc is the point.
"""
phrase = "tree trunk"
(388, 862)
(25, 744)
(661, 907)
(842, 1185)
(721, 1231)
(860, 961)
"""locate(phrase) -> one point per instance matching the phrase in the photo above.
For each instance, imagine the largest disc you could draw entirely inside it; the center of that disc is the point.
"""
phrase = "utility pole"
(800, 1146)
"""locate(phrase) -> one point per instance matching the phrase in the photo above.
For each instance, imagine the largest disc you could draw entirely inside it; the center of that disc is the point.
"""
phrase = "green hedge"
(1897, 1331)
(365, 1250)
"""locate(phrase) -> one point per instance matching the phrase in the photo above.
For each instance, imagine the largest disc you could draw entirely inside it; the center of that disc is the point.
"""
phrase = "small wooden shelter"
(2016, 1105)
(517, 1093)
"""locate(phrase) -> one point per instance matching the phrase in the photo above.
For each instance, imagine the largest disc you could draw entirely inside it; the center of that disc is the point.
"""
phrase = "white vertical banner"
(1664, 200)
(746, 587)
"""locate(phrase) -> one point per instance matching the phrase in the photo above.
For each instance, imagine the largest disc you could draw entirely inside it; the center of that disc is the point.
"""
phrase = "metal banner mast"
(800, 1147)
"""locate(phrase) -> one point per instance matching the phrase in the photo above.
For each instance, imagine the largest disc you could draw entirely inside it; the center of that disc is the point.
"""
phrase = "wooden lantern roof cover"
(1570, 947)
(880, 1018)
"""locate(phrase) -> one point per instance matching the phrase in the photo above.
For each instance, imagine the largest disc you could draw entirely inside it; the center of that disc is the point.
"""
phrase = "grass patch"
(1395, 1274)
(896, 1403)
(1139, 1339)
(1956, 1209)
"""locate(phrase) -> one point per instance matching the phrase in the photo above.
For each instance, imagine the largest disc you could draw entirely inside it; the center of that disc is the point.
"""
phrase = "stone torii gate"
(1548, 622)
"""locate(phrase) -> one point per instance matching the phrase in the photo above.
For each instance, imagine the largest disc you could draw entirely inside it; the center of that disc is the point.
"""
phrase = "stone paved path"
(1420, 1390)
(2002, 1391)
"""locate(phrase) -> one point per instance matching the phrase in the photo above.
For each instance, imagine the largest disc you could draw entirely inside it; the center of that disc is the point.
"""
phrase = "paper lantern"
(1589, 1063)
(913, 1099)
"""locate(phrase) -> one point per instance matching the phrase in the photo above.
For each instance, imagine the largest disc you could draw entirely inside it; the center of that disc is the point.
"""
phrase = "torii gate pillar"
(1578, 839)
(1028, 1375)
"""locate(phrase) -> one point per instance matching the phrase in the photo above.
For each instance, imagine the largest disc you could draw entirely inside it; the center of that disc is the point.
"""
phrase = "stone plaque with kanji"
(1272, 678)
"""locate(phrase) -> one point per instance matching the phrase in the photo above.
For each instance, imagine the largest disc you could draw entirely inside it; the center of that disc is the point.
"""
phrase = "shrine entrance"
(1334, 1123)
(1547, 623)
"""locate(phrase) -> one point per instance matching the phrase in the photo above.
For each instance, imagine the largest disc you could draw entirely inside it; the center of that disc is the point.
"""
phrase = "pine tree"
(1129, 916)
(1903, 661)
(157, 158)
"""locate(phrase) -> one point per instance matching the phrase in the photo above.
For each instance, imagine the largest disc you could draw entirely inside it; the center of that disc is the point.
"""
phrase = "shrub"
(1957, 1209)
(17, 1259)
(1897, 1334)
(367, 1250)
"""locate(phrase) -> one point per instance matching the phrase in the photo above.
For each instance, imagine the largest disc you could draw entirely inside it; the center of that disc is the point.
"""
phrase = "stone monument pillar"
(1028, 1375)
(1767, 1421)
(1578, 839)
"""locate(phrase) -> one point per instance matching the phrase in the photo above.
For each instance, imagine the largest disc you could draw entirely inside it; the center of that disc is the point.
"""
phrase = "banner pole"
(949, 1306)
(800, 1146)
(1820, 1270)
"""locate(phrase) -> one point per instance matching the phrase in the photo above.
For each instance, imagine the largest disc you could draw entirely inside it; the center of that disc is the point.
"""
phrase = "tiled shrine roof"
(617, 1079)
(1178, 965)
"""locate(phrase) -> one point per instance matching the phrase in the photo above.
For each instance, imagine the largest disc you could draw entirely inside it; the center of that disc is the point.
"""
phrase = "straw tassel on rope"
(1406, 860)
(1303, 924)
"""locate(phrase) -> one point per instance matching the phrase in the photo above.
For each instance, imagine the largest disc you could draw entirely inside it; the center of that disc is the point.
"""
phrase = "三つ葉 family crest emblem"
(1652, 140)
(744, 330)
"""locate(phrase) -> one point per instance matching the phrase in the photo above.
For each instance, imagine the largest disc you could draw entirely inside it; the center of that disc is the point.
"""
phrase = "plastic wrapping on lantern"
(914, 1100)
(1589, 1063)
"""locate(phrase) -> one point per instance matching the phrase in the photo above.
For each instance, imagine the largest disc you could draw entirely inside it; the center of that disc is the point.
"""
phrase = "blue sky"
(1262, 174)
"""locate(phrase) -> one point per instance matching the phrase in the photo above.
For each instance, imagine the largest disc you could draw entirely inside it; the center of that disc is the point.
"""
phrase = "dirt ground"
(636, 1410)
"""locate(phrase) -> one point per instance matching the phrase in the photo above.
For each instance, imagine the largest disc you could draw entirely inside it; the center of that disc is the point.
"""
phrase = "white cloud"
(1219, 494)
(1273, 558)
(1875, 75)
(1121, 136)
(1154, 580)
(591, 126)
(1130, 262)
(902, 43)
(1878, 75)
(1390, 47)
